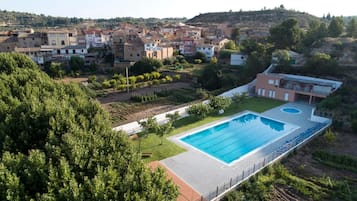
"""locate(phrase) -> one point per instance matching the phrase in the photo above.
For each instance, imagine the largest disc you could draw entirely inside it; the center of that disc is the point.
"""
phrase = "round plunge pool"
(291, 110)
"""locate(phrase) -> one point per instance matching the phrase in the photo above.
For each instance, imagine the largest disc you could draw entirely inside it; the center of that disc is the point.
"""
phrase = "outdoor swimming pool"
(230, 140)
(291, 110)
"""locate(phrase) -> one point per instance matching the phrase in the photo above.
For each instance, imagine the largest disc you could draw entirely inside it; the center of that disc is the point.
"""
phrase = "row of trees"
(288, 35)
(56, 143)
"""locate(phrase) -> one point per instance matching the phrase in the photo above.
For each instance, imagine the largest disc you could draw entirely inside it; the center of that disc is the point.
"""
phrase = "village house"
(65, 53)
(95, 38)
(187, 47)
(238, 59)
(206, 49)
(292, 88)
(61, 38)
(132, 47)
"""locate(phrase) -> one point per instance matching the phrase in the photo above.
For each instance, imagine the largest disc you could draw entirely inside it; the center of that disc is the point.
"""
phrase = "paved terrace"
(205, 173)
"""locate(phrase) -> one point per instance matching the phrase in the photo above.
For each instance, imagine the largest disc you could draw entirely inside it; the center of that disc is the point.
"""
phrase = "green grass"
(151, 144)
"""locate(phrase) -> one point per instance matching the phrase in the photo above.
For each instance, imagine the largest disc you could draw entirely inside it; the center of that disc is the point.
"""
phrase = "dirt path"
(124, 96)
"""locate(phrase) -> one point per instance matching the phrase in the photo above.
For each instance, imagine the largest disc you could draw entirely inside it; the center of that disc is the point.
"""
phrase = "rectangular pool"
(230, 140)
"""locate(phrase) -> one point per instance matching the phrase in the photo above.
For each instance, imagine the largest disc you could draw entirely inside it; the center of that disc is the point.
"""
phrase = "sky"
(170, 8)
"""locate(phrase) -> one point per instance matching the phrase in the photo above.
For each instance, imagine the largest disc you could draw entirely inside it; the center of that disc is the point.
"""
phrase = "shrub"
(177, 77)
(219, 102)
(168, 78)
(140, 78)
(238, 98)
(201, 93)
(197, 61)
(155, 75)
(143, 98)
(156, 82)
(106, 84)
(330, 136)
(147, 76)
(199, 110)
(92, 78)
(163, 93)
(331, 102)
(132, 79)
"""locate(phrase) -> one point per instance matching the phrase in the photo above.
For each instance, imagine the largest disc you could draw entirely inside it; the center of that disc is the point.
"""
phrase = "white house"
(238, 59)
(95, 38)
(68, 51)
(208, 50)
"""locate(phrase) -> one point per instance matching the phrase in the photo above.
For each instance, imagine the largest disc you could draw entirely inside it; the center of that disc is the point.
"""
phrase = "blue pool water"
(291, 110)
(230, 140)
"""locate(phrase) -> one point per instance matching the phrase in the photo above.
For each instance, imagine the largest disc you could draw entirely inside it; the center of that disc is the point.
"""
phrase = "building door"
(286, 96)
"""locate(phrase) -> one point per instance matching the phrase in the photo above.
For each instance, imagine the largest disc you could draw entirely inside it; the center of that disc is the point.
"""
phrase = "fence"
(280, 152)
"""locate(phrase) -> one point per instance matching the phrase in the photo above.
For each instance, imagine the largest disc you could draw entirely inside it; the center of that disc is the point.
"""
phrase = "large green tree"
(336, 27)
(321, 64)
(56, 143)
(352, 28)
(146, 65)
(317, 30)
(235, 34)
(76, 63)
(286, 35)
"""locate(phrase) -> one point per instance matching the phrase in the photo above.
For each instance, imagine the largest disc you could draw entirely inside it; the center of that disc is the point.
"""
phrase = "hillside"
(264, 17)
(21, 19)
(15, 20)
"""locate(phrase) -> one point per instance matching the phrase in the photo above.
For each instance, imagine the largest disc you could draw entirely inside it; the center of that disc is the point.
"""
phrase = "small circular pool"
(290, 110)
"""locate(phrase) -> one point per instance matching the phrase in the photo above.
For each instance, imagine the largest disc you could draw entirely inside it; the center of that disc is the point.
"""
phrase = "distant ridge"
(264, 17)
(14, 20)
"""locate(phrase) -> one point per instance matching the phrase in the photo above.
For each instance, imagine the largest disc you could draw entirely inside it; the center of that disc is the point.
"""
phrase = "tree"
(214, 60)
(164, 129)
(352, 28)
(235, 34)
(56, 143)
(200, 55)
(335, 27)
(316, 32)
(54, 69)
(146, 65)
(230, 45)
(286, 35)
(283, 57)
(76, 63)
(321, 64)
(199, 110)
(211, 77)
(219, 102)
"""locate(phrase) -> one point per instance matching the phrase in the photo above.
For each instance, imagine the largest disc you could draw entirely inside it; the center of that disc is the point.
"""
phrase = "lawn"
(151, 144)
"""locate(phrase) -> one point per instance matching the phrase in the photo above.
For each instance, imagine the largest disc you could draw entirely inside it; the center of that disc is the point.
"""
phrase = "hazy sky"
(170, 8)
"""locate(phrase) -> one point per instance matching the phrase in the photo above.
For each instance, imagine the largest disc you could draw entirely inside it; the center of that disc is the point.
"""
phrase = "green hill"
(267, 17)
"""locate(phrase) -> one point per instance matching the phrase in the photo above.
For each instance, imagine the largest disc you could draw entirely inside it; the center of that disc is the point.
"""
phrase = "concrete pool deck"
(204, 173)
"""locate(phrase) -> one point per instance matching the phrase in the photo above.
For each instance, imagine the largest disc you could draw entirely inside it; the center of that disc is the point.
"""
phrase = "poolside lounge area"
(210, 177)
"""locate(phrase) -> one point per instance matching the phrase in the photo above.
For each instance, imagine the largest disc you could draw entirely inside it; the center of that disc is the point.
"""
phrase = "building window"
(271, 81)
(276, 82)
(62, 42)
(58, 51)
(53, 42)
(138, 55)
(66, 51)
(74, 51)
(70, 34)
